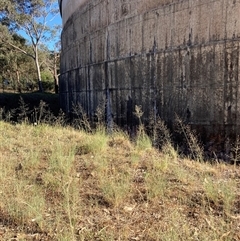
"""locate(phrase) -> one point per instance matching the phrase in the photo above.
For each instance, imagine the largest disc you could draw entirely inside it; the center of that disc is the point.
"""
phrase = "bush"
(48, 85)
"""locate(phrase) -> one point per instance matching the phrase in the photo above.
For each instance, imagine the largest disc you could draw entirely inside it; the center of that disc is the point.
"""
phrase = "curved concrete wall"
(68, 7)
(169, 56)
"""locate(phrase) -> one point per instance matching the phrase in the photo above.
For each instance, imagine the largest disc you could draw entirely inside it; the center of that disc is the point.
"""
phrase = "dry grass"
(61, 184)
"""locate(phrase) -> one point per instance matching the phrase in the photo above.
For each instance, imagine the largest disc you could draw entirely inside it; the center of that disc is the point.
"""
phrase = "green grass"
(64, 183)
(58, 183)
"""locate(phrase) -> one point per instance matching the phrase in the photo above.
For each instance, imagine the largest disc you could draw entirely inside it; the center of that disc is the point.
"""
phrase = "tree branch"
(21, 50)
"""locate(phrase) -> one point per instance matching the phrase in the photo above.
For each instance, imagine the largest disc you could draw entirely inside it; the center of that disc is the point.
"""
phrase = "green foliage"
(48, 85)
(15, 17)
(47, 80)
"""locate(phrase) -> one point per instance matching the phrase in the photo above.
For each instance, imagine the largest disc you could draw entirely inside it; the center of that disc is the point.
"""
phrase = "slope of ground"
(61, 184)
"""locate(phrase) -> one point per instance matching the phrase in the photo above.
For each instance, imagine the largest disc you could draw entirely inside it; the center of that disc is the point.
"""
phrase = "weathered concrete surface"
(68, 7)
(169, 56)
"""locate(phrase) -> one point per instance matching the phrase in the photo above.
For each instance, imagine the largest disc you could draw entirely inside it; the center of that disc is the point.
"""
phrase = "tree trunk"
(55, 77)
(40, 87)
(55, 73)
(19, 87)
(56, 84)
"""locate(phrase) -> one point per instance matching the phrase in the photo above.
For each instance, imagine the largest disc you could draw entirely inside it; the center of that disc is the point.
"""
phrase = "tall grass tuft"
(190, 138)
(80, 118)
(235, 152)
(23, 111)
(143, 141)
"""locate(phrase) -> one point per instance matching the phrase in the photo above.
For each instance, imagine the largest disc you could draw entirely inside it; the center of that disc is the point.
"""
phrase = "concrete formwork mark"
(168, 56)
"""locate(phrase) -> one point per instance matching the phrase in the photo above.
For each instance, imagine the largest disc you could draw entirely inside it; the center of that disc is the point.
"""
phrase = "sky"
(56, 21)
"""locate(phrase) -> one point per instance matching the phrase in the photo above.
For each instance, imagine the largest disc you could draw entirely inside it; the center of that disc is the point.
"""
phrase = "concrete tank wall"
(68, 7)
(169, 56)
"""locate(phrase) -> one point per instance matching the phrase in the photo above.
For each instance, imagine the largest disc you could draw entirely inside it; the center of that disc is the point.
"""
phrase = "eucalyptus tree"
(15, 66)
(31, 19)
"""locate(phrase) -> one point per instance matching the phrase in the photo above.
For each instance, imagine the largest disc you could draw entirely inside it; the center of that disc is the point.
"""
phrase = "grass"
(64, 184)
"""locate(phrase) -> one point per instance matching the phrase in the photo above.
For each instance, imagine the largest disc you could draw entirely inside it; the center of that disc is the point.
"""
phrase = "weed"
(139, 113)
(100, 113)
(159, 132)
(143, 141)
(80, 120)
(61, 119)
(235, 157)
(7, 116)
(23, 111)
(42, 114)
(196, 150)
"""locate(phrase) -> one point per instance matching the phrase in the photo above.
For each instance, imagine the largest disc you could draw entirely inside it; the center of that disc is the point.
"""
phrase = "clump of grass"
(100, 113)
(80, 119)
(222, 193)
(94, 143)
(115, 188)
(61, 159)
(155, 183)
(42, 114)
(143, 141)
(194, 147)
(25, 203)
(159, 132)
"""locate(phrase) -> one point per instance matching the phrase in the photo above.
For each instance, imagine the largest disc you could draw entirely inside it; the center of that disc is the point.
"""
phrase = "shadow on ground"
(10, 101)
